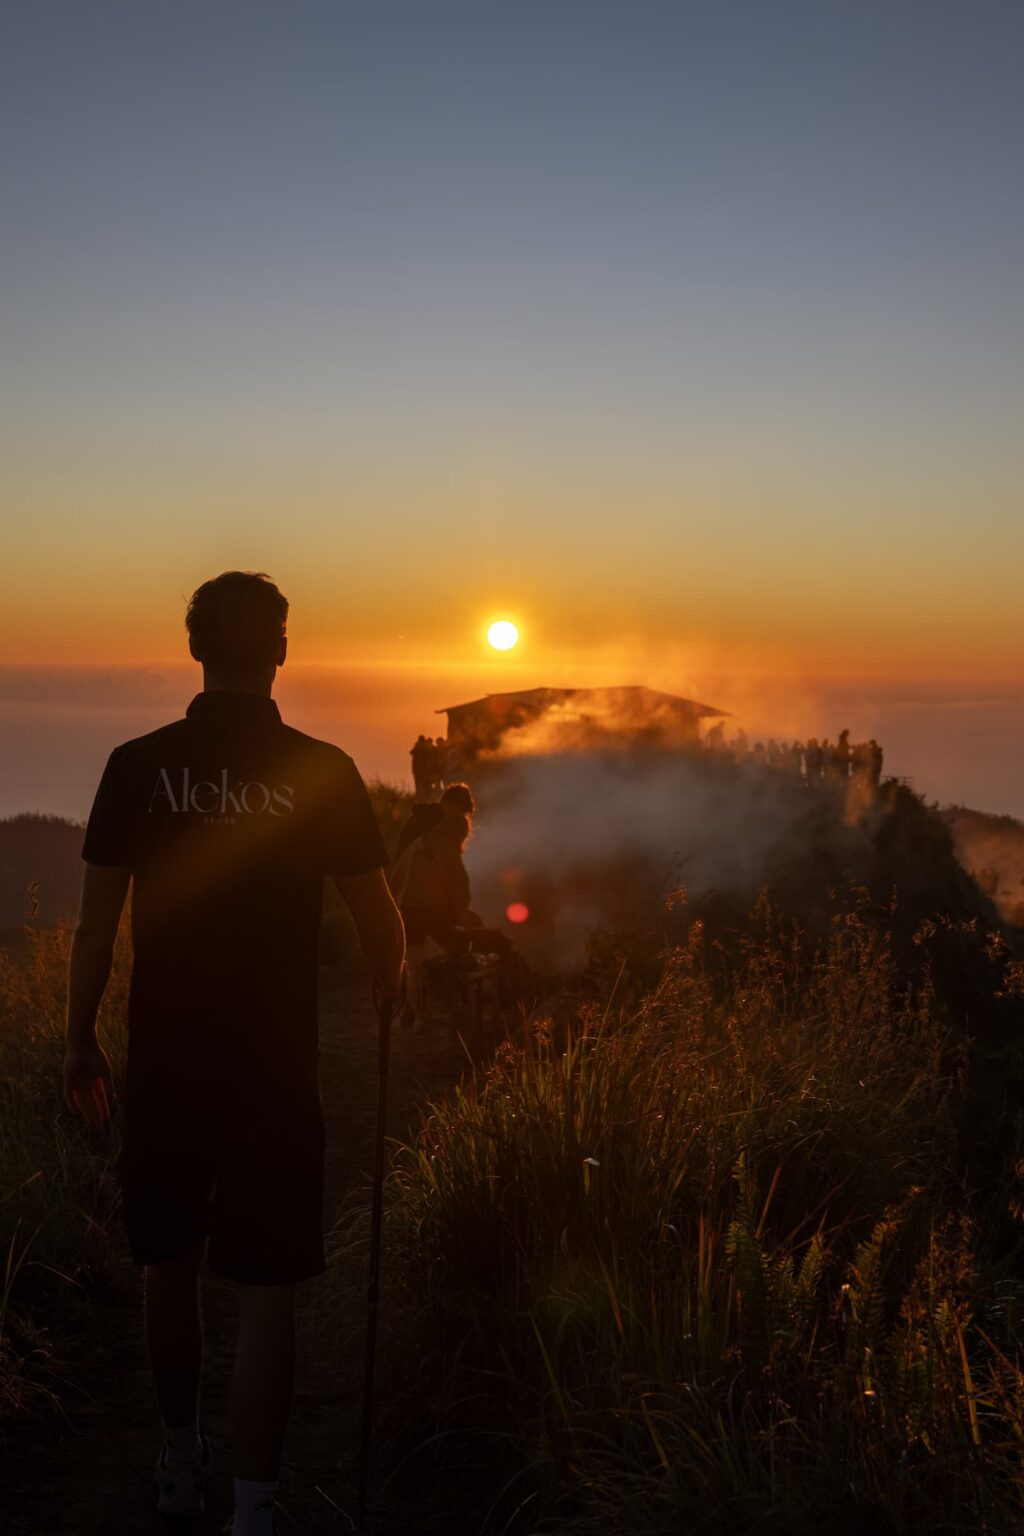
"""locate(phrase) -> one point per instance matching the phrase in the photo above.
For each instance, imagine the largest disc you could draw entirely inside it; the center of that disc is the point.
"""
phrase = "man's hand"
(88, 1082)
(86, 1068)
(391, 996)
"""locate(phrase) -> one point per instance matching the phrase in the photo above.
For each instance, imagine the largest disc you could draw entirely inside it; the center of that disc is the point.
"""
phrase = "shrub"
(700, 1265)
(57, 1187)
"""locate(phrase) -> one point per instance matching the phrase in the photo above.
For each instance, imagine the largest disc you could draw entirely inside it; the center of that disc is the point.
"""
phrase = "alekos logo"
(220, 798)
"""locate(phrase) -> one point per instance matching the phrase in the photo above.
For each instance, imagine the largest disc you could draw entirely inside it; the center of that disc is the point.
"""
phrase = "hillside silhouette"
(40, 870)
(615, 871)
(652, 843)
(909, 860)
(992, 848)
(692, 1067)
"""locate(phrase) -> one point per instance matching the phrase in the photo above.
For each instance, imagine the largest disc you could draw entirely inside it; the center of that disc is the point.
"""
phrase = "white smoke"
(991, 848)
(565, 824)
(604, 720)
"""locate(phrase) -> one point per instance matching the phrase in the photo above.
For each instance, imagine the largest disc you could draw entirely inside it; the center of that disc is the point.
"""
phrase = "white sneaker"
(180, 1484)
(233, 1527)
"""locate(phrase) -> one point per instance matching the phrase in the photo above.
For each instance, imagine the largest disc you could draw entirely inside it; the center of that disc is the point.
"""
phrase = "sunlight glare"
(503, 635)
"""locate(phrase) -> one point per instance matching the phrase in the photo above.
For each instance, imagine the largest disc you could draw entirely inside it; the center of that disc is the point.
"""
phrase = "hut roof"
(636, 699)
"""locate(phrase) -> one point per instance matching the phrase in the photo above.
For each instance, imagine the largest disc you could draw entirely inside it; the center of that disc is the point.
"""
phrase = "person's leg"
(266, 1235)
(174, 1335)
(166, 1172)
(261, 1395)
(261, 1389)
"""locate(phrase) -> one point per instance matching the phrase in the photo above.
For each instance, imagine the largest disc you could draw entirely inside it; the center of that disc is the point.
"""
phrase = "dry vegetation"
(57, 1185)
(706, 1264)
(690, 1255)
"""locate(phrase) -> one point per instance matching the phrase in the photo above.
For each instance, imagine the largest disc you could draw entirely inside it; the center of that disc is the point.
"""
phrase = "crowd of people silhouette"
(814, 762)
(429, 766)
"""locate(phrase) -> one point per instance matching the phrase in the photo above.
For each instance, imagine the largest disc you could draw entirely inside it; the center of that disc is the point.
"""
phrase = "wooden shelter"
(580, 719)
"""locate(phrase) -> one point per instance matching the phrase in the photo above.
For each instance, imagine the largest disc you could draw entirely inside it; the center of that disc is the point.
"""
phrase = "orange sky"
(696, 608)
(691, 382)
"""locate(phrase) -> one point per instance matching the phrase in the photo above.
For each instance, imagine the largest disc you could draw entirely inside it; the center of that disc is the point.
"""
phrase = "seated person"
(430, 884)
(456, 800)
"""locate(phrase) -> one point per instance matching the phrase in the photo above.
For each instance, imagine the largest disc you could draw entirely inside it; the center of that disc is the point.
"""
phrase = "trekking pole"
(384, 1011)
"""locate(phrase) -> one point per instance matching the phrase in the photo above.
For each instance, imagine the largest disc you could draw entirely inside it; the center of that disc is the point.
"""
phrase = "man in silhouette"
(224, 823)
(438, 767)
(841, 758)
(421, 754)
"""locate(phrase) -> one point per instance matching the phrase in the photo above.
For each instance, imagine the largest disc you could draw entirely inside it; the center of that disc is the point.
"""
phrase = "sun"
(503, 635)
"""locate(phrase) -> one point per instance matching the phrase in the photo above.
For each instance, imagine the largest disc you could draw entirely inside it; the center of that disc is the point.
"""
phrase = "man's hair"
(460, 796)
(236, 621)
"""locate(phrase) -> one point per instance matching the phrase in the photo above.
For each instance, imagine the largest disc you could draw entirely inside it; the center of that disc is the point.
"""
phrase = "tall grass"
(57, 1189)
(703, 1266)
(699, 1260)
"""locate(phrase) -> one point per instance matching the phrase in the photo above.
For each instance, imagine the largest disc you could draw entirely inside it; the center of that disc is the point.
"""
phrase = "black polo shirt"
(229, 820)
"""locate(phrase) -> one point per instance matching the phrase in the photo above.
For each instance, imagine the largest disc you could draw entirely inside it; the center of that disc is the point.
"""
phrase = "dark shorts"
(238, 1162)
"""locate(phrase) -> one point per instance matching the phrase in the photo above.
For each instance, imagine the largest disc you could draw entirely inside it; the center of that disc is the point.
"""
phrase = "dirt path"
(91, 1475)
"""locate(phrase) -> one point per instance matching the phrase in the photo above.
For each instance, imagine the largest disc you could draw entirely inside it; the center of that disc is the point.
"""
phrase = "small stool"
(462, 985)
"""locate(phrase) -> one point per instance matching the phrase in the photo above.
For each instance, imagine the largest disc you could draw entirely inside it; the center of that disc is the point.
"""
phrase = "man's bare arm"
(379, 926)
(92, 949)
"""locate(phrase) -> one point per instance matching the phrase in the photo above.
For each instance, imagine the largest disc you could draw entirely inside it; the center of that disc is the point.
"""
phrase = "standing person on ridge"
(224, 823)
(440, 766)
(421, 756)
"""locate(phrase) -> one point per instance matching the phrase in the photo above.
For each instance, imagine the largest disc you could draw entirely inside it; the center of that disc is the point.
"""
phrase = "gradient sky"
(669, 329)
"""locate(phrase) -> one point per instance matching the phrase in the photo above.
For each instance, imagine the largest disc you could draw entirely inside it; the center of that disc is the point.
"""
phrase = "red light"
(517, 912)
